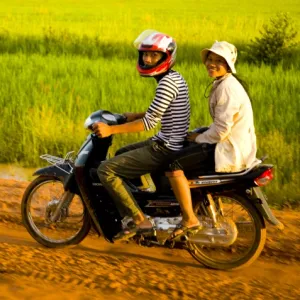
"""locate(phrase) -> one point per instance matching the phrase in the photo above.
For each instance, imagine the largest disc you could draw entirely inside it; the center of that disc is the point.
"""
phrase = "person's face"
(151, 58)
(216, 65)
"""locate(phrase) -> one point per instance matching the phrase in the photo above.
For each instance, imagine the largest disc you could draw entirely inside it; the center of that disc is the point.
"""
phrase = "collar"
(160, 76)
(217, 81)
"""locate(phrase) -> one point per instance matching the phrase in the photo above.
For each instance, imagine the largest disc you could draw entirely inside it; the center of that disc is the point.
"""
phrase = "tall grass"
(117, 20)
(45, 101)
(61, 60)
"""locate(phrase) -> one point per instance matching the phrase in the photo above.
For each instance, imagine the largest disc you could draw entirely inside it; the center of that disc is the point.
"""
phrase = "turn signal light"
(264, 178)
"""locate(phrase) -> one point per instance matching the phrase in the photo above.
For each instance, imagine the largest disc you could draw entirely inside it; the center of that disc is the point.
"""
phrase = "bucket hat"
(224, 49)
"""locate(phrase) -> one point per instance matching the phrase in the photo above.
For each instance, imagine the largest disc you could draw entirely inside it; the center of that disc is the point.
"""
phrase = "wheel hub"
(224, 234)
(50, 210)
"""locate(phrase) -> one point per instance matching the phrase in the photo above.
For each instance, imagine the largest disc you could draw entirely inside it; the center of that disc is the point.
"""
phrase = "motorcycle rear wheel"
(39, 199)
(251, 228)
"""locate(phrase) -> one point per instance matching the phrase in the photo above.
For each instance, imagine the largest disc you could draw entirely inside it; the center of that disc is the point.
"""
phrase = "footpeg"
(184, 238)
(169, 244)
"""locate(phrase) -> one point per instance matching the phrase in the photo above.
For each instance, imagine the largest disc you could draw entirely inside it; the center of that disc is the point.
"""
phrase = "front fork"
(64, 203)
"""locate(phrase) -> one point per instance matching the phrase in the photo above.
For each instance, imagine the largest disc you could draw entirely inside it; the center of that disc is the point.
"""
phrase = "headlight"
(109, 117)
(88, 122)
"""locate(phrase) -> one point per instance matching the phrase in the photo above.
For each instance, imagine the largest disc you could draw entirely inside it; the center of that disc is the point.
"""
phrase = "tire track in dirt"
(139, 272)
(96, 269)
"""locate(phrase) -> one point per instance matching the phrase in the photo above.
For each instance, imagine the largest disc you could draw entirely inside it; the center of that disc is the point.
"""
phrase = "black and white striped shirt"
(171, 106)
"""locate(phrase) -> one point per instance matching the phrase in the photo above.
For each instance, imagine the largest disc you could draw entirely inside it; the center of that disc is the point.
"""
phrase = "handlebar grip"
(121, 118)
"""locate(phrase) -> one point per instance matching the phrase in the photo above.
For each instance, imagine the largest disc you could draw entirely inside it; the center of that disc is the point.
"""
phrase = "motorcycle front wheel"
(39, 202)
(247, 244)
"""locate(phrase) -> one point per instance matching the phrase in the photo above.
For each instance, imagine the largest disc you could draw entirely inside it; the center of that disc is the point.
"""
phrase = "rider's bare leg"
(181, 190)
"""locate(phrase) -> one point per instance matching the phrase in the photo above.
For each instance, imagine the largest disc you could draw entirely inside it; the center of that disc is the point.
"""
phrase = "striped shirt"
(171, 106)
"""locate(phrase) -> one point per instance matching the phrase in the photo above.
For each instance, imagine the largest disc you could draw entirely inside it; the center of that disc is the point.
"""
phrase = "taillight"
(264, 178)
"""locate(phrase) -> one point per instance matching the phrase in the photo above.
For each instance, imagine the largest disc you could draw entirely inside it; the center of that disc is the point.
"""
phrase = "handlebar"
(106, 117)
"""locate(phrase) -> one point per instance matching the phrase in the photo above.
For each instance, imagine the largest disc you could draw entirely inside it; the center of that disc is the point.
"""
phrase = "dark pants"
(195, 157)
(130, 162)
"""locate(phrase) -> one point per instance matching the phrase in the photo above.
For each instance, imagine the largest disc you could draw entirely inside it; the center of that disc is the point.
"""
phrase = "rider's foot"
(137, 226)
(139, 220)
(125, 234)
(145, 224)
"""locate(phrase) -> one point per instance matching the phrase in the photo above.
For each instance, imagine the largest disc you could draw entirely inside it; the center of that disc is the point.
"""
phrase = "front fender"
(68, 179)
(53, 171)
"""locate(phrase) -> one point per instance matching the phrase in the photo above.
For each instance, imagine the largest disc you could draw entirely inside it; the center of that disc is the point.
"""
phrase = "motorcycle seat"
(192, 174)
(212, 173)
(198, 173)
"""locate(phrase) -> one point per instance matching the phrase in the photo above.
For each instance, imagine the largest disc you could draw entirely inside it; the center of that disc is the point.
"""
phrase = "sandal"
(182, 230)
(131, 231)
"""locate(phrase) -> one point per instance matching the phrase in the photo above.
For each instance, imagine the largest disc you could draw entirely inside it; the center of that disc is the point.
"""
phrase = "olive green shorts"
(131, 162)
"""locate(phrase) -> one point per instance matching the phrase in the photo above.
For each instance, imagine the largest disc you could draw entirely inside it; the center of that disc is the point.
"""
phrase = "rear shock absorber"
(211, 208)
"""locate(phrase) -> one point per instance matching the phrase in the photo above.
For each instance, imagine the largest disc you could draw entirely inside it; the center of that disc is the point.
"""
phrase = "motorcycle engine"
(163, 226)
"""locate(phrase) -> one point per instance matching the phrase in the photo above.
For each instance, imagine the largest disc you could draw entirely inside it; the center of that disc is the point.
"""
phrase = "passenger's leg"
(191, 158)
(196, 157)
(182, 193)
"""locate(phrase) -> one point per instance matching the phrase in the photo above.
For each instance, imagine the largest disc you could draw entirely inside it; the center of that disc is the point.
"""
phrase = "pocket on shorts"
(160, 148)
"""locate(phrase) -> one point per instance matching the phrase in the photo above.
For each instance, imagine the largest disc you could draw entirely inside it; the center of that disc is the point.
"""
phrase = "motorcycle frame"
(77, 182)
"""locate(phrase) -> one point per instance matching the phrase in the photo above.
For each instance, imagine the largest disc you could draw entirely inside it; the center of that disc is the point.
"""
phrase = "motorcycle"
(66, 199)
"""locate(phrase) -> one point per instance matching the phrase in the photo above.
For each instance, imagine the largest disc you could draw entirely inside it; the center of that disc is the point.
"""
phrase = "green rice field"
(62, 60)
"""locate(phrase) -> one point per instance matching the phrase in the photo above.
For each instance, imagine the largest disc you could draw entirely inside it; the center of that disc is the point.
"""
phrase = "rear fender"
(261, 204)
(256, 172)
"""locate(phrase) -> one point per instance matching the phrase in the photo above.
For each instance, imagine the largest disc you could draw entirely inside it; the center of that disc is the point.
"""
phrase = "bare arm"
(103, 130)
(135, 126)
(134, 116)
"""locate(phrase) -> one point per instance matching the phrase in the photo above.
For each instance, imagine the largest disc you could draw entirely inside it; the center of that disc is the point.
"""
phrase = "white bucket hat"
(224, 49)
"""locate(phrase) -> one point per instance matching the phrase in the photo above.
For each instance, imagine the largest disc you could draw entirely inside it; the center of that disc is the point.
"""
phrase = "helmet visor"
(142, 36)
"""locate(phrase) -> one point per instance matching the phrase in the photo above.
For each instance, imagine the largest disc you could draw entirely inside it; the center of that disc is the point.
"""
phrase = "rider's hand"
(129, 116)
(102, 130)
(191, 136)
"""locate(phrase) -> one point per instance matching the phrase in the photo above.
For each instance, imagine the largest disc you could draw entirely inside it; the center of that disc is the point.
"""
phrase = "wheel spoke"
(41, 205)
(238, 217)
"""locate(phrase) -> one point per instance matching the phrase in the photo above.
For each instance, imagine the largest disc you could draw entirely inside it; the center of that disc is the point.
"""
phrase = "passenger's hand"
(129, 116)
(191, 136)
(102, 130)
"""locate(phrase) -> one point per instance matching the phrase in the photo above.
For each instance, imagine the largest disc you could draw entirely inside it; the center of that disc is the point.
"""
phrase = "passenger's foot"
(182, 230)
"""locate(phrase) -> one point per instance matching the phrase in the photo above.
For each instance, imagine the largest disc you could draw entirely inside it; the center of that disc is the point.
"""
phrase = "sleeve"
(166, 92)
(225, 113)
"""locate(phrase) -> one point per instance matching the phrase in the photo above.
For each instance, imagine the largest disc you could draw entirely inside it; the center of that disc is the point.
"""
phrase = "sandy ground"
(96, 269)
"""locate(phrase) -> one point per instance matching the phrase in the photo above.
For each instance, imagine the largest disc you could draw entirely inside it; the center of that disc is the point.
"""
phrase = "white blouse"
(232, 128)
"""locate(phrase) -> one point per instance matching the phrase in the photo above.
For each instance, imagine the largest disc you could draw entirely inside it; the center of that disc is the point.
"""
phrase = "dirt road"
(96, 269)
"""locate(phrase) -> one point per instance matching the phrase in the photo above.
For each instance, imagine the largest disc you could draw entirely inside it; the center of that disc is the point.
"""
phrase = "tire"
(259, 231)
(28, 220)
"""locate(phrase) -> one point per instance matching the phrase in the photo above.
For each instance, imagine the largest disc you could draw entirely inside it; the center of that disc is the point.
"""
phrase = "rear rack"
(57, 161)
